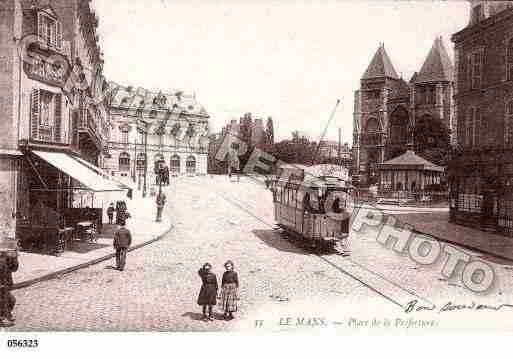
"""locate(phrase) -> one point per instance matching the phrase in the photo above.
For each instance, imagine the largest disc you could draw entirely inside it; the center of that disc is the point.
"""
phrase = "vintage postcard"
(255, 167)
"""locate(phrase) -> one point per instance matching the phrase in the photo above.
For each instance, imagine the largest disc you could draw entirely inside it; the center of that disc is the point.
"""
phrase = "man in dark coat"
(122, 241)
(8, 265)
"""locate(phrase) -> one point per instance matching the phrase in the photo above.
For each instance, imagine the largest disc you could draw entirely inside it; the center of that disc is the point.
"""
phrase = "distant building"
(248, 130)
(330, 151)
(387, 108)
(481, 173)
(177, 127)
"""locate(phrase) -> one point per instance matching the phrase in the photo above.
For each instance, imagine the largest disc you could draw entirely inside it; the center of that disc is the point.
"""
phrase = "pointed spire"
(380, 66)
(438, 66)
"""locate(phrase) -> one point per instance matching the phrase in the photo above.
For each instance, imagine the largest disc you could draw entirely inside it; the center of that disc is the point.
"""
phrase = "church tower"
(433, 88)
(370, 122)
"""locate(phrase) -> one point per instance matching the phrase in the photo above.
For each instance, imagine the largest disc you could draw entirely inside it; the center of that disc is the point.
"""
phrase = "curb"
(56, 274)
(463, 245)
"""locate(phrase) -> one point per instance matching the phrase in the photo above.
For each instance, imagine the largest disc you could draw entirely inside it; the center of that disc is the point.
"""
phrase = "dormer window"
(49, 29)
(477, 14)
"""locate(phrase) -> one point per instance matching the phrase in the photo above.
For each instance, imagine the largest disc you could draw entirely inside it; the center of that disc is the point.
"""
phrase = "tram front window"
(311, 203)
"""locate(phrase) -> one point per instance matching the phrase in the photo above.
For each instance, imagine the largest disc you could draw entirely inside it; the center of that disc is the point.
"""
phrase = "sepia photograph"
(277, 167)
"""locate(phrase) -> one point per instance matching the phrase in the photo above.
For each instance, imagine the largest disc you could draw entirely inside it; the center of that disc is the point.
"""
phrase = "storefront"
(57, 191)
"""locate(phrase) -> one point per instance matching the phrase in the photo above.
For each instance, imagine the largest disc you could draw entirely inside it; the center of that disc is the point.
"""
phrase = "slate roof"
(410, 160)
(438, 66)
(380, 66)
(186, 102)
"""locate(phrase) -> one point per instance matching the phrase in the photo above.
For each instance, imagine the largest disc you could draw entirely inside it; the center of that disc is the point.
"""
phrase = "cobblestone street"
(216, 220)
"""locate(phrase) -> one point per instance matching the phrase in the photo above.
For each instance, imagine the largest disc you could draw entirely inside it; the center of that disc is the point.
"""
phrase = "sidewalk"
(438, 226)
(37, 267)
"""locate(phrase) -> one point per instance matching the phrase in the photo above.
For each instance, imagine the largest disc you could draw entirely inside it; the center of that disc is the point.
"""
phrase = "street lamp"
(142, 128)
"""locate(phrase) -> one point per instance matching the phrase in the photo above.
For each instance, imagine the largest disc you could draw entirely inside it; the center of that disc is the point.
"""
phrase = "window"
(475, 69)
(190, 164)
(175, 163)
(49, 30)
(477, 14)
(473, 126)
(124, 136)
(508, 124)
(509, 59)
(124, 161)
(46, 116)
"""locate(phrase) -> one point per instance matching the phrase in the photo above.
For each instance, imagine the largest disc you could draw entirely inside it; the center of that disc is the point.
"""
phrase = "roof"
(410, 160)
(438, 66)
(380, 66)
(131, 97)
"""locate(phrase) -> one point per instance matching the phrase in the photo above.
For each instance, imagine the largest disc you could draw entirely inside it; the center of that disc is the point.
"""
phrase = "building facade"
(387, 108)
(248, 130)
(177, 128)
(50, 58)
(481, 170)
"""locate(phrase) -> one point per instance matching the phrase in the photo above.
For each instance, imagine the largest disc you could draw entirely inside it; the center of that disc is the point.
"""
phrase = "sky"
(287, 59)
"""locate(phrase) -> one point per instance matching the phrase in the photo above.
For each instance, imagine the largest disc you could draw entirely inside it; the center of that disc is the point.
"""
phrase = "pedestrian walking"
(229, 291)
(110, 212)
(208, 292)
(8, 265)
(122, 241)
(161, 201)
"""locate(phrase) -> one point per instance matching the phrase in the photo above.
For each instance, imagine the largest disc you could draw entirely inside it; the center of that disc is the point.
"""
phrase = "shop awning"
(104, 174)
(78, 171)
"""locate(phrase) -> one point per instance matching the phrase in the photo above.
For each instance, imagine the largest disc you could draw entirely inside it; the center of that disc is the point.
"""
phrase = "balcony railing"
(88, 125)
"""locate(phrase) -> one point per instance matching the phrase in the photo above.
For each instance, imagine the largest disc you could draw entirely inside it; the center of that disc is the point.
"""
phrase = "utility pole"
(339, 145)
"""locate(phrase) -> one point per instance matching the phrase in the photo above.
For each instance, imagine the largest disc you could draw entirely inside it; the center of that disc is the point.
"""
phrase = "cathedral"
(387, 108)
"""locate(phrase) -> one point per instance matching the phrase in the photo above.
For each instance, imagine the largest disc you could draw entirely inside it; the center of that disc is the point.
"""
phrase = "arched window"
(373, 125)
(399, 126)
(124, 161)
(175, 164)
(190, 164)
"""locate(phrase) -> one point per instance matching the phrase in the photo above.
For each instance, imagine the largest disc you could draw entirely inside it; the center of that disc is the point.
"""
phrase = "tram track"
(388, 289)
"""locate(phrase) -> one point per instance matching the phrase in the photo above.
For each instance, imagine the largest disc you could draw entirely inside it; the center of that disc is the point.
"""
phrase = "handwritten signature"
(414, 306)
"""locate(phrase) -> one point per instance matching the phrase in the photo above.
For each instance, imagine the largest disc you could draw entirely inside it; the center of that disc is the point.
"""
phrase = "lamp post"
(142, 128)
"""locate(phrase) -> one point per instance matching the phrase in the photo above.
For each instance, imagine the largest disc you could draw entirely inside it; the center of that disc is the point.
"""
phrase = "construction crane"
(324, 131)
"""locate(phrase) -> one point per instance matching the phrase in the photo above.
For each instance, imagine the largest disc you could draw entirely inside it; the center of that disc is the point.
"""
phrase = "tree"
(431, 140)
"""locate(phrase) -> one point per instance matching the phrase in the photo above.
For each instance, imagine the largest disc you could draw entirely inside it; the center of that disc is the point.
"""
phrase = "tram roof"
(313, 176)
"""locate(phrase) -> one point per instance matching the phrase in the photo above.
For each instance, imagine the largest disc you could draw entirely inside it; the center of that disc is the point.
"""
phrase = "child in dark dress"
(208, 292)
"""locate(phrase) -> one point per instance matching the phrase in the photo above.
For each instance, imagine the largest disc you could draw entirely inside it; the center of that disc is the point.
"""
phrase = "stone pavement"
(437, 225)
(35, 267)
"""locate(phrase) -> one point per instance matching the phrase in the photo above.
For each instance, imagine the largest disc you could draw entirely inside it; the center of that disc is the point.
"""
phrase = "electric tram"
(314, 210)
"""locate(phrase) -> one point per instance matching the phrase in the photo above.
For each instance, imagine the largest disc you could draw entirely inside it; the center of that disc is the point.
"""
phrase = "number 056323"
(22, 343)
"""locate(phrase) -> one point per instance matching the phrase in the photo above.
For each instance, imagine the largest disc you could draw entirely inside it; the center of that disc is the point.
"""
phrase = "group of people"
(208, 295)
(121, 212)
(8, 265)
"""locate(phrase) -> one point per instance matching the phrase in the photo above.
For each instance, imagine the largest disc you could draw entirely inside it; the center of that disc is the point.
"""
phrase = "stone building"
(248, 130)
(387, 108)
(51, 133)
(481, 171)
(177, 127)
